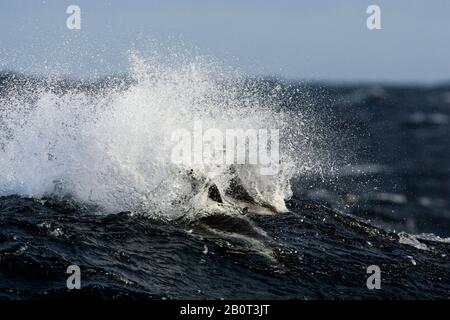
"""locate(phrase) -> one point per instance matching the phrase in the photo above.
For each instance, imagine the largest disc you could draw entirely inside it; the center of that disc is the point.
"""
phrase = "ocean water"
(86, 179)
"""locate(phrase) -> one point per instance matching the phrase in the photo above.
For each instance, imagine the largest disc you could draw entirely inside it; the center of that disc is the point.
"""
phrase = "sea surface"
(84, 181)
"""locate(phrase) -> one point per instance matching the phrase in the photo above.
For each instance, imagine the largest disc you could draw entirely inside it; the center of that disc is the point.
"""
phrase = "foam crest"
(111, 147)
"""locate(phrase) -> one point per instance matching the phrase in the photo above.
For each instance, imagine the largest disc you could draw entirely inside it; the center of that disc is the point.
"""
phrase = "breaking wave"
(110, 145)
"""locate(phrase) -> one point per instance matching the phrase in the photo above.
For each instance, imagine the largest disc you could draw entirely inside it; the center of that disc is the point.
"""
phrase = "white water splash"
(111, 147)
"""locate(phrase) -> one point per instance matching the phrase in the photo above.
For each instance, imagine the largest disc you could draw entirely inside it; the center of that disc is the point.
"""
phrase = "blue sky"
(310, 40)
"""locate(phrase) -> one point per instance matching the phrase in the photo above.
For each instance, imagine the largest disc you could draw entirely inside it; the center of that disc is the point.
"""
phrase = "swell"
(309, 252)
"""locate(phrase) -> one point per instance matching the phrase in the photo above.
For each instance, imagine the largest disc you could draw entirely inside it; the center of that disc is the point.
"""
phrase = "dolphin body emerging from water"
(236, 194)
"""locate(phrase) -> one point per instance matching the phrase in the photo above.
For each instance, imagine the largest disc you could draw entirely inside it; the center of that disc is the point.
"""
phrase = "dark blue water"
(308, 253)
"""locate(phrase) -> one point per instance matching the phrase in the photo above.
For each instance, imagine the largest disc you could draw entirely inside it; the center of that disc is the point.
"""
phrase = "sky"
(319, 40)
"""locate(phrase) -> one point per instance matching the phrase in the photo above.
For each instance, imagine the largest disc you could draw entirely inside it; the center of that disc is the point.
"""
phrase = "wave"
(111, 146)
(418, 240)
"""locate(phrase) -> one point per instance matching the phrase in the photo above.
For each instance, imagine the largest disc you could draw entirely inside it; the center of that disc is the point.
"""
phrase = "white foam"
(112, 148)
(414, 239)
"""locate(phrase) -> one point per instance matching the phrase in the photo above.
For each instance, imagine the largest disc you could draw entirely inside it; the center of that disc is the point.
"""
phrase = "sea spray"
(111, 146)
